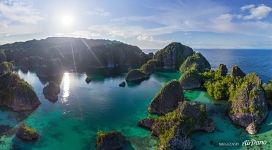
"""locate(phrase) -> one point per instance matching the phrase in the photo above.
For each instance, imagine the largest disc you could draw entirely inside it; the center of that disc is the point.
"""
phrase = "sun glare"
(67, 20)
(66, 87)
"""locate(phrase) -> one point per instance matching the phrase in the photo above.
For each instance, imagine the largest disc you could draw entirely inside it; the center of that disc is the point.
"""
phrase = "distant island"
(246, 96)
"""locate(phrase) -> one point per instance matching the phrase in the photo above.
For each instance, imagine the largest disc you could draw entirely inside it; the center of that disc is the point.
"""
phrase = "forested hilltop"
(52, 55)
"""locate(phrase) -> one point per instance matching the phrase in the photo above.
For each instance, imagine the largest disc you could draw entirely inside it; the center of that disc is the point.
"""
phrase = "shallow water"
(225, 131)
(83, 109)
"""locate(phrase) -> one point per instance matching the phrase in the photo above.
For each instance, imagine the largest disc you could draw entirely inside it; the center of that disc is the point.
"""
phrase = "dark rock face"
(4, 129)
(268, 92)
(178, 142)
(110, 141)
(51, 68)
(27, 133)
(136, 75)
(146, 123)
(88, 79)
(167, 99)
(249, 105)
(17, 94)
(197, 113)
(190, 80)
(123, 84)
(195, 62)
(173, 55)
(51, 91)
(237, 72)
(5, 67)
(223, 70)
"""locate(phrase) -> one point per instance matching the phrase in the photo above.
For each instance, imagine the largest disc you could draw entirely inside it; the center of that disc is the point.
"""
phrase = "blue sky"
(147, 24)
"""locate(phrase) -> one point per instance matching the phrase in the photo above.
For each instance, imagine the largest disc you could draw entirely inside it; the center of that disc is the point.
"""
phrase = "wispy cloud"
(19, 12)
(151, 25)
(256, 12)
(179, 17)
(98, 12)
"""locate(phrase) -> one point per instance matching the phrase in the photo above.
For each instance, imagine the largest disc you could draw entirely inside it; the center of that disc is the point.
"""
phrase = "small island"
(15, 93)
(173, 118)
(246, 95)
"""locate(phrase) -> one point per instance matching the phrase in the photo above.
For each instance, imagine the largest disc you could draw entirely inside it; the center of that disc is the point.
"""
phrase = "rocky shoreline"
(247, 96)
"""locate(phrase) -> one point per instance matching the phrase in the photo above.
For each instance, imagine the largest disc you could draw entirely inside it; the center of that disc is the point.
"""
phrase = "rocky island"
(16, 93)
(246, 95)
(110, 141)
(247, 102)
(27, 133)
(173, 118)
(51, 91)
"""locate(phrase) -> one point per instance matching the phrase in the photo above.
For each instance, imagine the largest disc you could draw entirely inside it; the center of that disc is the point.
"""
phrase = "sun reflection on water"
(66, 87)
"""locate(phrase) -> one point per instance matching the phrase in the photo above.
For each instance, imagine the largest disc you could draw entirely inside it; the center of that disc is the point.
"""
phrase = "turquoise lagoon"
(83, 109)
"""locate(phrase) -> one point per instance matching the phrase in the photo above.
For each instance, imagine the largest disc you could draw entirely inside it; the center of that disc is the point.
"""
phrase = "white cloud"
(145, 38)
(163, 24)
(223, 23)
(16, 30)
(175, 18)
(19, 12)
(245, 7)
(99, 12)
(256, 12)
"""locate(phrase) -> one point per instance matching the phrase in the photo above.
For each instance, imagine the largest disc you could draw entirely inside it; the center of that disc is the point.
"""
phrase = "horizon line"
(196, 48)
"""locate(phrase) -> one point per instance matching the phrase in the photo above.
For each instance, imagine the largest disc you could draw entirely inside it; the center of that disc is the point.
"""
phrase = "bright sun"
(67, 20)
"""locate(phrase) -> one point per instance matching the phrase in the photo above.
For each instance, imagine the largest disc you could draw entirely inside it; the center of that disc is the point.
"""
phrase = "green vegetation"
(5, 67)
(149, 67)
(10, 83)
(166, 137)
(195, 62)
(28, 130)
(248, 96)
(220, 87)
(182, 122)
(190, 73)
(170, 119)
(268, 91)
(100, 135)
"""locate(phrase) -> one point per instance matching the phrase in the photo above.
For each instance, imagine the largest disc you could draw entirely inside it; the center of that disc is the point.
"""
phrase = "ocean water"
(83, 109)
(249, 60)
(255, 60)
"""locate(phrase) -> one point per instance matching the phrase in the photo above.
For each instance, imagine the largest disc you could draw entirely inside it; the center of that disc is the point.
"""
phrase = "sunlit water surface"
(83, 109)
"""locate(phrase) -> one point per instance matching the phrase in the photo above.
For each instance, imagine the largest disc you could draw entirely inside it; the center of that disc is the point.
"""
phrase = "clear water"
(83, 109)
(225, 130)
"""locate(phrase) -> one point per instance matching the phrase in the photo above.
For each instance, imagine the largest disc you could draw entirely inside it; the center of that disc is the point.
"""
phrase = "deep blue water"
(249, 60)
(259, 61)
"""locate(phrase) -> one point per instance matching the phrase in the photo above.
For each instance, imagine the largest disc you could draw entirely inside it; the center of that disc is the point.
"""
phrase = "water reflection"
(66, 87)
